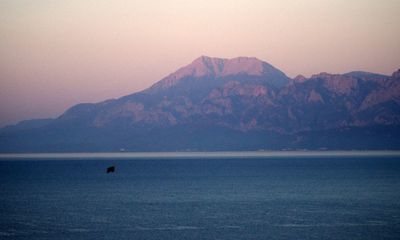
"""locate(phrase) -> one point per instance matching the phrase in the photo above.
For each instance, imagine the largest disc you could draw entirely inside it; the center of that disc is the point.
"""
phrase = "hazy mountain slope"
(228, 104)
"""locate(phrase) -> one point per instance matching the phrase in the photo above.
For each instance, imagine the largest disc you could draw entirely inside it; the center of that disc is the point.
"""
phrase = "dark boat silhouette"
(111, 169)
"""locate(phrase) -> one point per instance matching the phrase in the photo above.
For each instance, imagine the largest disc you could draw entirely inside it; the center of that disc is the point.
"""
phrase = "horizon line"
(202, 154)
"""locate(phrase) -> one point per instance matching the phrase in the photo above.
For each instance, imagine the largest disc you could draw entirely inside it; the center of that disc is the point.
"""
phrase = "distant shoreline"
(200, 155)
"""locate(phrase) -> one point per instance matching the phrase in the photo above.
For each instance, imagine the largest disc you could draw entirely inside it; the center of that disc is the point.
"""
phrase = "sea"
(231, 195)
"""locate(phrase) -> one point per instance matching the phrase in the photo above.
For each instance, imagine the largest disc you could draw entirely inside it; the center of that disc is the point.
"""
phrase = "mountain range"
(216, 104)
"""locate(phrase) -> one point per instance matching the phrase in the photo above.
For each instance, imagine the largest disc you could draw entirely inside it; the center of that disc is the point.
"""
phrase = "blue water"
(271, 198)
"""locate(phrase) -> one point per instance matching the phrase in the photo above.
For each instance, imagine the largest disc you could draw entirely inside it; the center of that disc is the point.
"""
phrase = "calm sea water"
(201, 198)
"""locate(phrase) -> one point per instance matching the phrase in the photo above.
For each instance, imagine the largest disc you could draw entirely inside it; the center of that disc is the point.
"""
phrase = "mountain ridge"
(205, 66)
(228, 104)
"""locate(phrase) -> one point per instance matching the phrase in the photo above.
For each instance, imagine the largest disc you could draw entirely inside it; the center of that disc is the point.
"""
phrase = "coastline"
(200, 155)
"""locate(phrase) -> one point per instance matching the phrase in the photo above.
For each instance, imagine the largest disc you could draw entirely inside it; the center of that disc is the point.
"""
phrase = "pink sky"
(54, 54)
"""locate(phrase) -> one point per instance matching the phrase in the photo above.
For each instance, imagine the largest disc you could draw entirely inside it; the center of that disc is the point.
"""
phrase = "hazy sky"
(54, 54)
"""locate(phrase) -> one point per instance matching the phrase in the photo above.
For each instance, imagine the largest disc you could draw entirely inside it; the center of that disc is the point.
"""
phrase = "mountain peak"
(300, 78)
(396, 74)
(219, 67)
(205, 66)
(323, 75)
(204, 58)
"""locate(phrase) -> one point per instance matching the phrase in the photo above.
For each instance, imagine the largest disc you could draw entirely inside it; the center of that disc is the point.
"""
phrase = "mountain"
(227, 104)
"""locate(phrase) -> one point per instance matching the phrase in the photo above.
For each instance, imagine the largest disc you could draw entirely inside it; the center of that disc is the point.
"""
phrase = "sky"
(55, 54)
